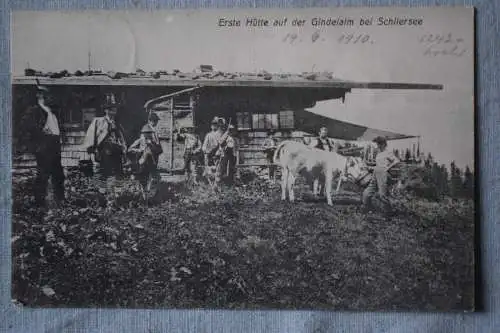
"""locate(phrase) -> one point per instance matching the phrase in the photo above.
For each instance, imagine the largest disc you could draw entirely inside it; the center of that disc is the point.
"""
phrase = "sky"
(127, 40)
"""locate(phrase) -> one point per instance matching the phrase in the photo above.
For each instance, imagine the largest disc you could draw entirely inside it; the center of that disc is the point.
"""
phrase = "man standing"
(147, 143)
(384, 161)
(146, 150)
(269, 146)
(227, 144)
(153, 120)
(106, 141)
(322, 141)
(47, 148)
(211, 142)
(192, 150)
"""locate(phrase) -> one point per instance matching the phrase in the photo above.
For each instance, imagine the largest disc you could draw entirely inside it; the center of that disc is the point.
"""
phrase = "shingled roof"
(206, 76)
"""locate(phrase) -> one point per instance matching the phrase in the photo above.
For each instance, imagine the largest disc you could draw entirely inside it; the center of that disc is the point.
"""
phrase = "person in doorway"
(153, 120)
(105, 140)
(157, 150)
(46, 146)
(384, 161)
(269, 146)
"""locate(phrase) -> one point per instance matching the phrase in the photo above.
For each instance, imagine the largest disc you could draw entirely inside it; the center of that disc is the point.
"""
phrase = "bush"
(417, 181)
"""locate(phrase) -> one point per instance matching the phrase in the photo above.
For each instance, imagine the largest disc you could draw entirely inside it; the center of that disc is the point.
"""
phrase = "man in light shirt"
(47, 149)
(323, 142)
(192, 150)
(211, 143)
(106, 141)
(227, 152)
(385, 160)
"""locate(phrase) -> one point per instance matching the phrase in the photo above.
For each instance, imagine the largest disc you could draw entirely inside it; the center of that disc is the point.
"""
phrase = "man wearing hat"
(148, 139)
(192, 150)
(106, 141)
(384, 161)
(153, 120)
(145, 151)
(211, 143)
(46, 146)
(227, 151)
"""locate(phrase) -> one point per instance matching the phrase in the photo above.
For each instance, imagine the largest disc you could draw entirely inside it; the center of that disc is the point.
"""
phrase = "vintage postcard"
(317, 158)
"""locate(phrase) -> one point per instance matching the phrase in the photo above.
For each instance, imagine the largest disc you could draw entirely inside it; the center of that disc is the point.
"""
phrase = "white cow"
(296, 159)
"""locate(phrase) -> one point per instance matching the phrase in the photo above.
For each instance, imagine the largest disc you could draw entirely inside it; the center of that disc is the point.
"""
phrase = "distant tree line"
(426, 178)
(435, 181)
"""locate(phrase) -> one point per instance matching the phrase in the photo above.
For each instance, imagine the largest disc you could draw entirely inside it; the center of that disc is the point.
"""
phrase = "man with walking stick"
(46, 146)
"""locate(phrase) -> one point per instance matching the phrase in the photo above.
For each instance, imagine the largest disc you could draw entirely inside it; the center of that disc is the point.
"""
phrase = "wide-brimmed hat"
(110, 101)
(380, 140)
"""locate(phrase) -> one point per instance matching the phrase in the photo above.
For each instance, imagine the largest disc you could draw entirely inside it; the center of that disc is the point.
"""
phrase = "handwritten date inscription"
(355, 39)
(346, 38)
(436, 45)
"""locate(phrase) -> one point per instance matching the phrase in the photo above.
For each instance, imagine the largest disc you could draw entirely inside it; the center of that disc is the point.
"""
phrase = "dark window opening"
(243, 120)
(286, 119)
(265, 121)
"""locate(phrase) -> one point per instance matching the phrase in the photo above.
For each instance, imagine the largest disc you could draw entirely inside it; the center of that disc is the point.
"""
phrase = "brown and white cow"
(296, 159)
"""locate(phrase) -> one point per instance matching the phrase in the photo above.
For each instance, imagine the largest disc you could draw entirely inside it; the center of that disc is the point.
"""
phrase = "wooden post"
(171, 134)
(192, 103)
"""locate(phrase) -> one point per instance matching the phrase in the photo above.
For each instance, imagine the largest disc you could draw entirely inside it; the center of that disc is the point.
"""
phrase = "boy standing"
(384, 160)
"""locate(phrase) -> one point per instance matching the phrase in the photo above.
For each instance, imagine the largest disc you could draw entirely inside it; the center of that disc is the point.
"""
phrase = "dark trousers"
(48, 162)
(147, 170)
(110, 163)
(272, 167)
(227, 166)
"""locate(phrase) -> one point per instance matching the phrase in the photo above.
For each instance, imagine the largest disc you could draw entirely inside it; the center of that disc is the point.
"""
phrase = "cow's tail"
(277, 153)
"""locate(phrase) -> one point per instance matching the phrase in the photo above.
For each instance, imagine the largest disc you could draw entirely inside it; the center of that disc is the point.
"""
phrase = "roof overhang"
(311, 122)
(256, 82)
